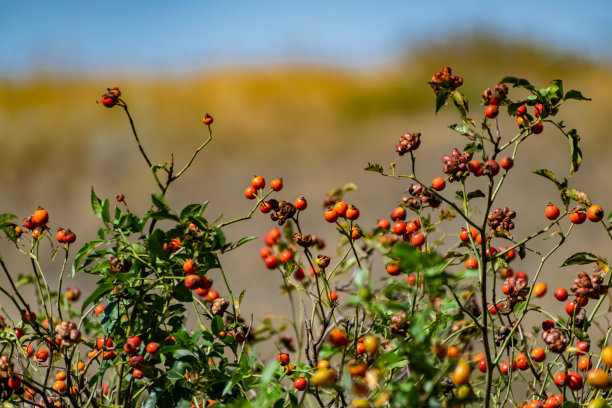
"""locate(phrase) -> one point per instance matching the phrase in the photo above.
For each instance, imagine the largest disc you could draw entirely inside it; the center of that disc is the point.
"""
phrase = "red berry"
(572, 306)
(40, 217)
(341, 208)
(491, 111)
(482, 365)
(258, 182)
(399, 228)
(492, 166)
(475, 167)
(578, 216)
(537, 128)
(595, 213)
(265, 207)
(189, 267)
(300, 204)
(152, 348)
(331, 215)
(561, 294)
(250, 192)
(560, 379)
(352, 213)
(276, 184)
(574, 381)
(271, 262)
(417, 239)
(552, 212)
(14, 383)
(521, 110)
(506, 163)
(137, 361)
(286, 255)
(192, 282)
(547, 324)
(398, 213)
(300, 383)
(438, 184)
(384, 224)
(283, 358)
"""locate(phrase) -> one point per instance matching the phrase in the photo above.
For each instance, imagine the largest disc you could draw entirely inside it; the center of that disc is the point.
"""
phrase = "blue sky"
(176, 37)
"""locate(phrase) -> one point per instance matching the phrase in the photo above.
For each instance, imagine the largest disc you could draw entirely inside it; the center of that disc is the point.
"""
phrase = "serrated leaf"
(573, 94)
(583, 258)
(578, 196)
(375, 168)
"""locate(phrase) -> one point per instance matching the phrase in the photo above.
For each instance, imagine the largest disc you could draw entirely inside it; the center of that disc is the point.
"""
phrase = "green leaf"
(550, 176)
(238, 243)
(518, 307)
(159, 200)
(576, 153)
(181, 293)
(583, 258)
(573, 94)
(361, 277)
(449, 305)
(236, 378)
(461, 103)
(192, 211)
(24, 280)
(156, 244)
(570, 404)
(578, 196)
(96, 203)
(441, 98)
(102, 290)
(151, 401)
(559, 84)
(217, 325)
(471, 194)
(106, 211)
(610, 217)
(375, 168)
(518, 82)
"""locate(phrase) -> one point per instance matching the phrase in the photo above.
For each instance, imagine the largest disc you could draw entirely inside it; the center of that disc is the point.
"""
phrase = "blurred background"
(310, 92)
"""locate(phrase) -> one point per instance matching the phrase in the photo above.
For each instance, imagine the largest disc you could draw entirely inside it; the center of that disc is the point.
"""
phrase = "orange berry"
(276, 184)
(539, 289)
(341, 208)
(438, 184)
(595, 213)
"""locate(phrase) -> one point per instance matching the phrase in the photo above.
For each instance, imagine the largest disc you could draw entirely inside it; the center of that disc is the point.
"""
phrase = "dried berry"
(501, 219)
(444, 79)
(408, 143)
(495, 95)
(456, 164)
